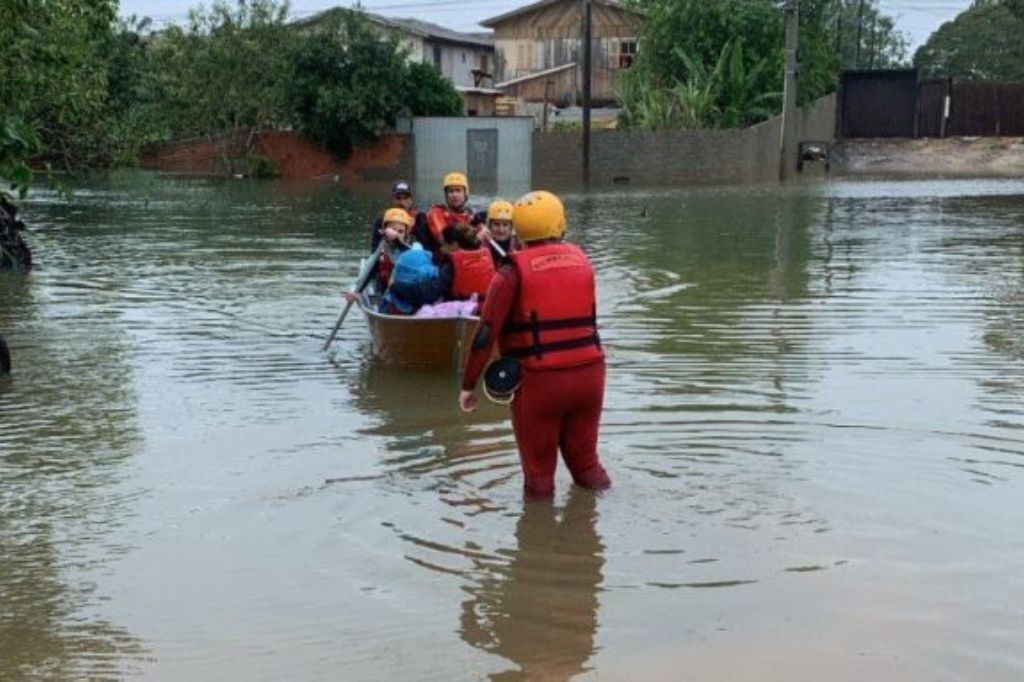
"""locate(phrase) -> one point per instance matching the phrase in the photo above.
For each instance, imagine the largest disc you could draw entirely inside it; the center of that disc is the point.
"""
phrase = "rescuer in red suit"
(442, 219)
(541, 309)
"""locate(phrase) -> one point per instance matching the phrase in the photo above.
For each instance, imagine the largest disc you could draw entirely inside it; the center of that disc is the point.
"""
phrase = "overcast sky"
(918, 18)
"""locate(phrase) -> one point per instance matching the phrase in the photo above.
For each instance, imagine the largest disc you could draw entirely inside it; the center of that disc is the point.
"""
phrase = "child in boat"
(396, 228)
(499, 231)
(466, 265)
(415, 282)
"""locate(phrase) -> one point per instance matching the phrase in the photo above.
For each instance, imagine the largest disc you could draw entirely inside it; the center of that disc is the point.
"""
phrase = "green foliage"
(982, 44)
(720, 64)
(81, 89)
(724, 95)
(220, 77)
(262, 167)
(54, 77)
(348, 83)
(1016, 8)
(17, 144)
(867, 39)
(428, 92)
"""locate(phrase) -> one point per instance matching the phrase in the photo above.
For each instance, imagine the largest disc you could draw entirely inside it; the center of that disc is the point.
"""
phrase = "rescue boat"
(438, 343)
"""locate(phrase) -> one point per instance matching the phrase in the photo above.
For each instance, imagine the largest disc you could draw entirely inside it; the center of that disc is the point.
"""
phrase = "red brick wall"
(294, 157)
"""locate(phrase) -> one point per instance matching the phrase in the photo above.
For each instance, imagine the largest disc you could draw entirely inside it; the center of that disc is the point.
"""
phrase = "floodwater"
(814, 421)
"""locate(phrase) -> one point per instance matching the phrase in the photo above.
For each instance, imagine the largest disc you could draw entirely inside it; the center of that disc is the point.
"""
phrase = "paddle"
(493, 244)
(359, 285)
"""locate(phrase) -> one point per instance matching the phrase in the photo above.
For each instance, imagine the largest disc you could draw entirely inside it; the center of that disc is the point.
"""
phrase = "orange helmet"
(499, 210)
(397, 215)
(538, 215)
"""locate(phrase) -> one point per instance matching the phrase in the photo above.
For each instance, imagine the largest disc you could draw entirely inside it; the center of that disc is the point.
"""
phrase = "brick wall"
(294, 157)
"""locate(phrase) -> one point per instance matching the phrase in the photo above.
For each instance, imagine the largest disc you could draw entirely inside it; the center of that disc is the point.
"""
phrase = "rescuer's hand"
(467, 401)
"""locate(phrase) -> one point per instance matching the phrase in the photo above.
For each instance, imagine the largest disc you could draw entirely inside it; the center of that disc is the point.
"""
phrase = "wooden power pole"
(587, 17)
(789, 143)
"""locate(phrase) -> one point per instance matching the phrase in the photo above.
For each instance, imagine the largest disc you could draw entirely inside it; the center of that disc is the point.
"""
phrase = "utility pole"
(860, 28)
(587, 17)
(874, 41)
(789, 143)
(839, 32)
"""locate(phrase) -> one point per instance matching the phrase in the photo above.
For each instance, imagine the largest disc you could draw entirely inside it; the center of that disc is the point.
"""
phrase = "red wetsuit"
(558, 405)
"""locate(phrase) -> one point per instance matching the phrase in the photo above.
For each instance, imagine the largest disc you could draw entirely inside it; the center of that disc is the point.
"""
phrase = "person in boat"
(541, 310)
(396, 227)
(401, 194)
(397, 230)
(454, 212)
(466, 265)
(499, 231)
(415, 282)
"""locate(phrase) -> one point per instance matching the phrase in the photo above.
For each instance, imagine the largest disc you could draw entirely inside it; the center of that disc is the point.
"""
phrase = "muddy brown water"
(815, 425)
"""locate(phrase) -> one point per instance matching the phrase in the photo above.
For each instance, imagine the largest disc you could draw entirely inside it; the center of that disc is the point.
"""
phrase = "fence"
(896, 104)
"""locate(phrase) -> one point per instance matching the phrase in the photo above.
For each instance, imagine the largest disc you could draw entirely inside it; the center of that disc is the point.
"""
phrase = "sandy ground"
(959, 156)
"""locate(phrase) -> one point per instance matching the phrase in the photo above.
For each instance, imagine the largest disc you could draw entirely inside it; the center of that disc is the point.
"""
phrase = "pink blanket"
(450, 309)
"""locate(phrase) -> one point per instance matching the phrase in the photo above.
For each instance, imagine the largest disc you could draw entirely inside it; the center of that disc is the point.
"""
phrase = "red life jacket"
(441, 216)
(472, 272)
(553, 322)
(385, 266)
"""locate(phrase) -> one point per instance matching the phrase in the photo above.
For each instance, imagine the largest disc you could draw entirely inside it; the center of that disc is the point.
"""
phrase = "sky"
(917, 18)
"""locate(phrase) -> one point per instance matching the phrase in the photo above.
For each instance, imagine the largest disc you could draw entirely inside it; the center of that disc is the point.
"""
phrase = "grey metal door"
(482, 160)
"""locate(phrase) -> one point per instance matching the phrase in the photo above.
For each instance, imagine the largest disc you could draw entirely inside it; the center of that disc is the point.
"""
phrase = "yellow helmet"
(539, 215)
(456, 180)
(397, 215)
(499, 210)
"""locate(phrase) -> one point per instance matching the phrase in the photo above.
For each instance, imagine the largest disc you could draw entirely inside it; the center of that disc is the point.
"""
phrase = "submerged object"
(5, 357)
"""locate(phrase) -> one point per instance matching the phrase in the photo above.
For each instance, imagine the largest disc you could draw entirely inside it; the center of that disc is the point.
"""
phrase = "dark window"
(627, 53)
(437, 57)
(483, 63)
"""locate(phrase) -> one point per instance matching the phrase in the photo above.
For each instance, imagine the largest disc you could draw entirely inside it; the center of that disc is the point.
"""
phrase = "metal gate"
(879, 103)
(496, 152)
(482, 159)
(932, 107)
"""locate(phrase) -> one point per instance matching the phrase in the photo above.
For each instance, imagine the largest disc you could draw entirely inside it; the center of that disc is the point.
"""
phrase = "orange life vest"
(553, 322)
(472, 272)
(441, 216)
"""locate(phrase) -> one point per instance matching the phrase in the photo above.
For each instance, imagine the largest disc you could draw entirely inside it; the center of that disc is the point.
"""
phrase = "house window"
(524, 57)
(437, 57)
(627, 53)
(463, 57)
(621, 53)
(483, 63)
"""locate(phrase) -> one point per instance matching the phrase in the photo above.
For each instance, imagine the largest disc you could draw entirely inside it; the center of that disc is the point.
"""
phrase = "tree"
(54, 81)
(720, 64)
(1016, 7)
(221, 77)
(866, 38)
(982, 43)
(348, 83)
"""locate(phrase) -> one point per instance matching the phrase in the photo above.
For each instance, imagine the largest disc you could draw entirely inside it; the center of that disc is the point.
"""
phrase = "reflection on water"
(537, 606)
(813, 420)
(62, 449)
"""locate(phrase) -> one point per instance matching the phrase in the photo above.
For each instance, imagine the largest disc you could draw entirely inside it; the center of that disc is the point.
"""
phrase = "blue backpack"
(415, 281)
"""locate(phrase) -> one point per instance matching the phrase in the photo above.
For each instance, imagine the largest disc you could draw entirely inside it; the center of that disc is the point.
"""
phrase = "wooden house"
(537, 50)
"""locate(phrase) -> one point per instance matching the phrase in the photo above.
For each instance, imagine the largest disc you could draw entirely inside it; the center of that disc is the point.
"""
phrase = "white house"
(465, 59)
